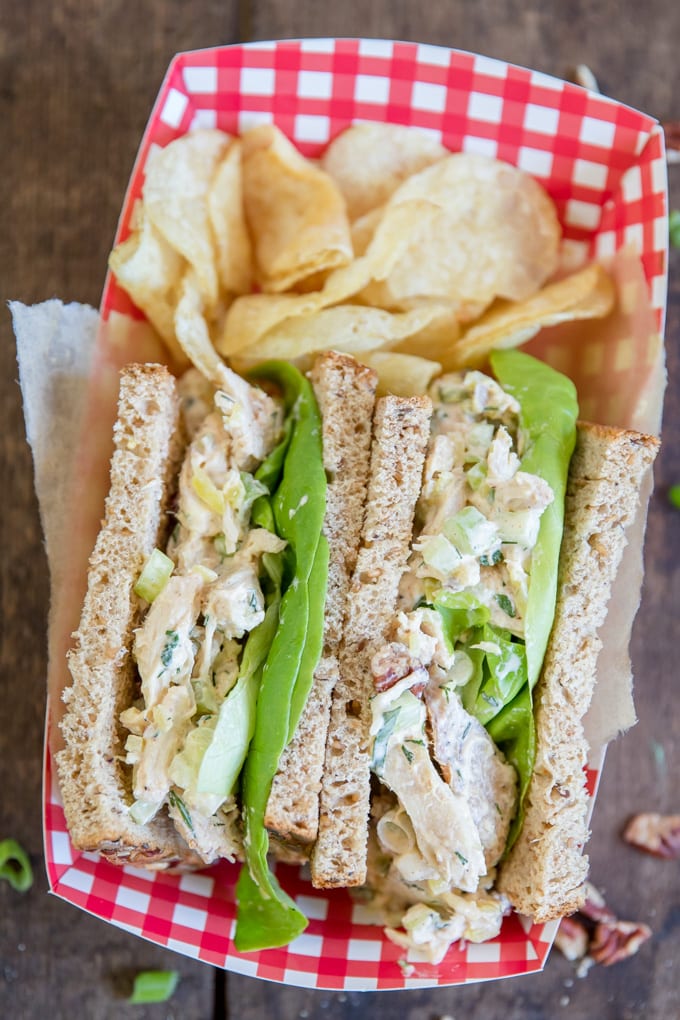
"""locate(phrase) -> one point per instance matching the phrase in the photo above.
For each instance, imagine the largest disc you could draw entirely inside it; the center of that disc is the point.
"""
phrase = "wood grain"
(77, 81)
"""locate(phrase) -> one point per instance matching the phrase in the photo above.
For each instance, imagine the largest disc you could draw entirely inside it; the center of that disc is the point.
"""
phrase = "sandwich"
(341, 629)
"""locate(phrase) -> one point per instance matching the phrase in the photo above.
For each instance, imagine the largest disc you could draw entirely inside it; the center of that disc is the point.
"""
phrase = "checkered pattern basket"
(603, 164)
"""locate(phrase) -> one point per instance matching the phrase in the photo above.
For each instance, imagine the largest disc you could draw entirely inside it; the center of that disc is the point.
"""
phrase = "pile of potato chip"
(390, 248)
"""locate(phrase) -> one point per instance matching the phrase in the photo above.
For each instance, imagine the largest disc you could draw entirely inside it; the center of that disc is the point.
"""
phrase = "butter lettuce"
(548, 413)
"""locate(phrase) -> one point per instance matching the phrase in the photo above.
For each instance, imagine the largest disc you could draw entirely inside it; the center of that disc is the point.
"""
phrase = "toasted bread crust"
(345, 392)
(95, 784)
(401, 431)
(544, 873)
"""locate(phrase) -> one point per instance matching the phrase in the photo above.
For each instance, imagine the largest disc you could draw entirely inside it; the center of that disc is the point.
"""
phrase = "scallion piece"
(154, 576)
(154, 986)
(674, 228)
(15, 865)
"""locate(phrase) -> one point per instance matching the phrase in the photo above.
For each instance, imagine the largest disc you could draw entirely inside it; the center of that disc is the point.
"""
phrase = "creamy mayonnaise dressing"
(453, 794)
(188, 648)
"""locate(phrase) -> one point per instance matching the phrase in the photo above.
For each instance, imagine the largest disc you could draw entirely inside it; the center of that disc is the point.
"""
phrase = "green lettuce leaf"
(505, 672)
(267, 916)
(548, 413)
(514, 732)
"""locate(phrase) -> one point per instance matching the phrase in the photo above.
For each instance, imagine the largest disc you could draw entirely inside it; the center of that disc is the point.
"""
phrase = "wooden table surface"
(77, 80)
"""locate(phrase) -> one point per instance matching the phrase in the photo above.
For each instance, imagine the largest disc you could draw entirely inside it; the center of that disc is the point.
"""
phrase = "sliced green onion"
(674, 228)
(15, 865)
(674, 496)
(154, 576)
(154, 986)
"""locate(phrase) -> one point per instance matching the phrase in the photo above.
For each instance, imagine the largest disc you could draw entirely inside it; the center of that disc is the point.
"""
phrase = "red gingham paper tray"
(603, 164)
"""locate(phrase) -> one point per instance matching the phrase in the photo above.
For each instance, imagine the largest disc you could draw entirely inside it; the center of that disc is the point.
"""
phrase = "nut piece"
(595, 908)
(613, 941)
(572, 938)
(655, 834)
(595, 935)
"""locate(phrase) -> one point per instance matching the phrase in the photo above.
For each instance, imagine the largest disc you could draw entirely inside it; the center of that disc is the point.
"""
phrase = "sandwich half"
(463, 685)
(185, 593)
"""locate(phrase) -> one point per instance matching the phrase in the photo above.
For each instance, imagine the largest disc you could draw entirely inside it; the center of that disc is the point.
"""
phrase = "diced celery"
(470, 531)
(519, 527)
(154, 576)
(439, 553)
(142, 811)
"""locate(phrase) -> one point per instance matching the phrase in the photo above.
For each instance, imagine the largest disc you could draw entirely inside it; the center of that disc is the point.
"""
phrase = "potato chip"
(227, 218)
(479, 229)
(294, 210)
(404, 375)
(369, 162)
(364, 228)
(252, 316)
(436, 338)
(192, 332)
(587, 294)
(175, 193)
(150, 271)
(352, 329)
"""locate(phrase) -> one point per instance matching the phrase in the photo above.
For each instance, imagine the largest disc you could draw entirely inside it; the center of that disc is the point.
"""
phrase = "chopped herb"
(674, 228)
(506, 605)
(412, 740)
(463, 860)
(179, 804)
(674, 492)
(497, 808)
(466, 730)
(169, 647)
(154, 986)
(252, 601)
(446, 689)
(407, 754)
(15, 865)
(491, 561)
(490, 700)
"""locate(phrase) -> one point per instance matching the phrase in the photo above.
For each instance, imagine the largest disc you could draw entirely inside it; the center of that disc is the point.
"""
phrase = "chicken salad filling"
(455, 659)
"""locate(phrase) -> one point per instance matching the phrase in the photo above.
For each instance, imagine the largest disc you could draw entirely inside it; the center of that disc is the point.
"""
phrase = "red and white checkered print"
(603, 164)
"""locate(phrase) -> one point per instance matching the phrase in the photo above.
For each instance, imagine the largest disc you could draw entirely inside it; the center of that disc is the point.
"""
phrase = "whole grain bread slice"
(345, 392)
(95, 783)
(544, 873)
(400, 434)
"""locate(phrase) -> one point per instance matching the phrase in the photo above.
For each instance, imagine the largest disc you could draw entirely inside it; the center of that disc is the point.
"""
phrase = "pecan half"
(655, 834)
(572, 938)
(595, 908)
(614, 941)
(594, 934)
(390, 664)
